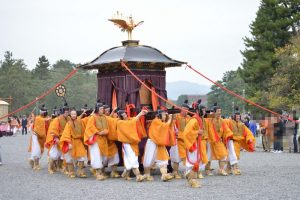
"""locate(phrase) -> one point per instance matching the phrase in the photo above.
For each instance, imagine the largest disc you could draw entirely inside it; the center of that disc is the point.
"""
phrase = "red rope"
(165, 100)
(41, 96)
(197, 162)
(236, 95)
(146, 86)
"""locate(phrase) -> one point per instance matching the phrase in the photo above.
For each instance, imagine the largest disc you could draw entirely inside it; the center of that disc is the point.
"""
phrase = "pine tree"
(285, 84)
(63, 64)
(15, 80)
(41, 71)
(276, 22)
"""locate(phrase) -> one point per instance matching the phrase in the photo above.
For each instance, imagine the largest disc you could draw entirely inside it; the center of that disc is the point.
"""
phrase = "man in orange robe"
(177, 152)
(71, 143)
(84, 116)
(242, 138)
(192, 134)
(112, 137)
(160, 131)
(205, 145)
(95, 136)
(130, 132)
(55, 131)
(220, 136)
(38, 138)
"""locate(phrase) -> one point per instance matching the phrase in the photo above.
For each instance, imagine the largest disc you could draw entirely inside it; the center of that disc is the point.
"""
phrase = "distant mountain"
(178, 88)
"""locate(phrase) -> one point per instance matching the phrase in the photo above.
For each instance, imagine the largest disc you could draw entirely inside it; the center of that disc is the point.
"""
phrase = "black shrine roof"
(140, 56)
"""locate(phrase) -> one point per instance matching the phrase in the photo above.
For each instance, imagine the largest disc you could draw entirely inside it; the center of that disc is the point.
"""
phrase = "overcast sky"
(205, 33)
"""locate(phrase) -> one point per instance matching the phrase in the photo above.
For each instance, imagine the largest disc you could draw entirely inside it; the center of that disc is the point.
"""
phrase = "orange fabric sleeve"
(53, 132)
(112, 129)
(190, 133)
(172, 138)
(90, 129)
(212, 133)
(40, 126)
(54, 127)
(127, 131)
(226, 132)
(141, 129)
(249, 139)
(159, 132)
(66, 135)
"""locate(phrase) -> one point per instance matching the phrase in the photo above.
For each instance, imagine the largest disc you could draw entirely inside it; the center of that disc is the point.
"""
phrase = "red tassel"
(93, 140)
(114, 103)
(193, 148)
(65, 147)
(196, 167)
(251, 146)
(154, 99)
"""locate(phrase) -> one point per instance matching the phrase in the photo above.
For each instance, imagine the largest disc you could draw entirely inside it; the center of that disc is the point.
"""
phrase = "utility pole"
(36, 107)
(244, 101)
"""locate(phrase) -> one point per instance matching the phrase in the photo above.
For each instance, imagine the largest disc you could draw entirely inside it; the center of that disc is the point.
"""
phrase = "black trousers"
(295, 141)
(278, 143)
(24, 129)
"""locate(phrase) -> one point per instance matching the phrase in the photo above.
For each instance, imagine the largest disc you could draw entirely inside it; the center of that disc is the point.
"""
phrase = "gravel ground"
(265, 176)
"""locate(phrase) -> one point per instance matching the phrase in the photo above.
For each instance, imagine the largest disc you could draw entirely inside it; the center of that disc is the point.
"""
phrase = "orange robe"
(40, 126)
(173, 140)
(112, 136)
(191, 139)
(73, 134)
(180, 124)
(97, 123)
(204, 138)
(56, 129)
(112, 128)
(160, 133)
(131, 131)
(242, 137)
(190, 134)
(84, 120)
(204, 141)
(218, 135)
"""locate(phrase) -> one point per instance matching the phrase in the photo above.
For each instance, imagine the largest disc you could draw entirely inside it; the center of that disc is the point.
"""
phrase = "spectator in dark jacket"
(247, 121)
(24, 125)
(278, 134)
(253, 127)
